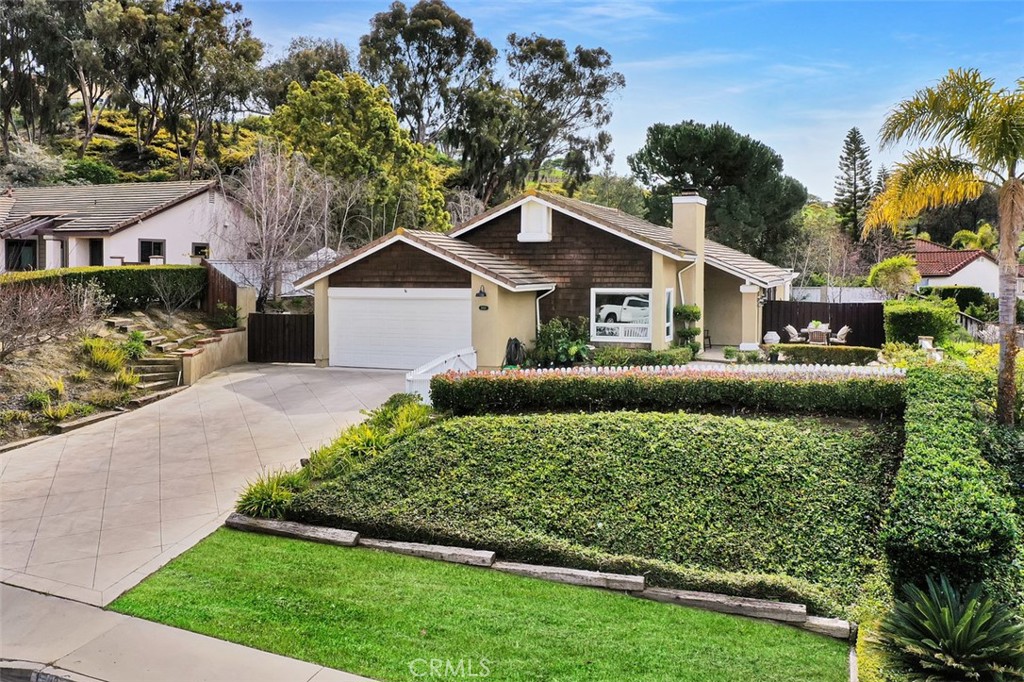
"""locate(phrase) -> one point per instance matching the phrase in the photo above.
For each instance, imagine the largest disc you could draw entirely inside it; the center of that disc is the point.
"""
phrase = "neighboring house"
(412, 296)
(148, 223)
(941, 266)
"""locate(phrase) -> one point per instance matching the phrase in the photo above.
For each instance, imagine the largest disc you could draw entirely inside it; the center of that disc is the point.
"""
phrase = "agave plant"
(942, 635)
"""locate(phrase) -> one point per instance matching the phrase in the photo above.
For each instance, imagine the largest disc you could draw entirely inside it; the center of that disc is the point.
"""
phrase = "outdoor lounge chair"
(840, 337)
(794, 335)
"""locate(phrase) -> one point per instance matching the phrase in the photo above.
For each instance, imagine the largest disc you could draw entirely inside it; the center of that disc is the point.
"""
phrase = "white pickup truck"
(632, 309)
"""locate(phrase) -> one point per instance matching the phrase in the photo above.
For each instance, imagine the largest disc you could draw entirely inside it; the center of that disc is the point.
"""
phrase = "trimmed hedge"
(130, 286)
(963, 295)
(617, 356)
(948, 513)
(786, 508)
(808, 354)
(515, 392)
(905, 320)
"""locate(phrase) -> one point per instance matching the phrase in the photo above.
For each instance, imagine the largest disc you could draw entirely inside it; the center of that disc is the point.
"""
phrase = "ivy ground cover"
(388, 617)
(776, 507)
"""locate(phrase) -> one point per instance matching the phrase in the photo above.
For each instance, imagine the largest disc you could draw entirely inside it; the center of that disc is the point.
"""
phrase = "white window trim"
(670, 295)
(616, 290)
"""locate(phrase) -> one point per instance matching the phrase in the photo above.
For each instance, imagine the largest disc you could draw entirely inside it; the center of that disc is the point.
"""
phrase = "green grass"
(374, 614)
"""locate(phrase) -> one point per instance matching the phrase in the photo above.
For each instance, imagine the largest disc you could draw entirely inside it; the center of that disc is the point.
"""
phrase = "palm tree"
(978, 137)
(985, 238)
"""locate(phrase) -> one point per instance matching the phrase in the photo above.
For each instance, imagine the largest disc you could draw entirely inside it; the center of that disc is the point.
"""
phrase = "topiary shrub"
(905, 320)
(617, 356)
(807, 354)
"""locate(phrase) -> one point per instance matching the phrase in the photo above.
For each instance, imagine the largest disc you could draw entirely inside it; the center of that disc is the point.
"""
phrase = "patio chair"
(794, 335)
(841, 335)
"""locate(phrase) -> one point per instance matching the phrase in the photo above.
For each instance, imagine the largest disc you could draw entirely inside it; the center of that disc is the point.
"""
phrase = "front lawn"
(386, 616)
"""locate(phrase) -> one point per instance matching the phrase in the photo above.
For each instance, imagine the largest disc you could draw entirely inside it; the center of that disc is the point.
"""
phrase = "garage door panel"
(397, 328)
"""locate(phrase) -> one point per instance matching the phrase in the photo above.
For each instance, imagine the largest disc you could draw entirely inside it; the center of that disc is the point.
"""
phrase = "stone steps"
(157, 385)
(146, 399)
(154, 340)
(146, 377)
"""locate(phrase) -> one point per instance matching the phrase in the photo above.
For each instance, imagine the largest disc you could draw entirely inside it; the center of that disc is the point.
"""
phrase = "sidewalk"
(109, 647)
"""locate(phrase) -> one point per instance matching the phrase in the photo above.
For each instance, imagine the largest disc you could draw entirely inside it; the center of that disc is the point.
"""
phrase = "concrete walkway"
(89, 514)
(99, 645)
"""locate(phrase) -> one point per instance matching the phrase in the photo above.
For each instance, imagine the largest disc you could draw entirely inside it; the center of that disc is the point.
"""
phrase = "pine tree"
(881, 180)
(854, 186)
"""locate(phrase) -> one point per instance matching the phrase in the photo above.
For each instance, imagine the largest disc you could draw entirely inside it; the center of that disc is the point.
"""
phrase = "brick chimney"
(688, 231)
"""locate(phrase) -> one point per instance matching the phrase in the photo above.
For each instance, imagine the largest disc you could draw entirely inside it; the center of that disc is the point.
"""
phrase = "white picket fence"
(753, 370)
(418, 380)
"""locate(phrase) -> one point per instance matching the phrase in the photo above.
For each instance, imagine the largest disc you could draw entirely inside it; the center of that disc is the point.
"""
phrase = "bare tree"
(463, 205)
(289, 209)
(32, 314)
(175, 291)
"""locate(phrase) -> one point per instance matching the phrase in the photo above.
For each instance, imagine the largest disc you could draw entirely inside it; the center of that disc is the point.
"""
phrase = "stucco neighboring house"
(411, 296)
(942, 266)
(155, 222)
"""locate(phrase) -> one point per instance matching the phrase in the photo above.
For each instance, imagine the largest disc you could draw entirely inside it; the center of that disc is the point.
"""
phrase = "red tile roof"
(936, 260)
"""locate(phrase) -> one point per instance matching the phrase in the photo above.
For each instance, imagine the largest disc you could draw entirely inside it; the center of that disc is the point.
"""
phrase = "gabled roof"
(657, 237)
(95, 208)
(611, 220)
(492, 267)
(936, 260)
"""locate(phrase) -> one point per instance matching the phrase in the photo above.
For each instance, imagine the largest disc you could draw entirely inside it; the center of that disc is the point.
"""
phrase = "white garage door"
(397, 328)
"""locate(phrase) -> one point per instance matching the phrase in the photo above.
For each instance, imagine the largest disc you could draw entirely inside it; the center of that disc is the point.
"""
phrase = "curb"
(30, 671)
(633, 585)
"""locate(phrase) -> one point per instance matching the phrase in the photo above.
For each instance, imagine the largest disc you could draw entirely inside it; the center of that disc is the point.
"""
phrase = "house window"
(670, 303)
(149, 248)
(21, 254)
(622, 315)
(200, 250)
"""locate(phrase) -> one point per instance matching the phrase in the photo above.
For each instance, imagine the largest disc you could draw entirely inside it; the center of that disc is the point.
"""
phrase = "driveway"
(89, 514)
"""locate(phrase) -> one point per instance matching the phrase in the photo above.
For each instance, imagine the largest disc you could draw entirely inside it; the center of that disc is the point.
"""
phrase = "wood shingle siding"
(401, 266)
(578, 257)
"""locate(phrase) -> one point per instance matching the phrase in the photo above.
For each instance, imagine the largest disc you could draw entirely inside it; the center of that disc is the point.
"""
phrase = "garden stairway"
(156, 373)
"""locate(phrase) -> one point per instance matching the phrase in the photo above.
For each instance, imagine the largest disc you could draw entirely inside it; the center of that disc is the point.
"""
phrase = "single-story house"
(942, 266)
(118, 224)
(412, 296)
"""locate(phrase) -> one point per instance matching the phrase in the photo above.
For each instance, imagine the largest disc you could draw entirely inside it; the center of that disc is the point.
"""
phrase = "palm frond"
(926, 178)
(948, 111)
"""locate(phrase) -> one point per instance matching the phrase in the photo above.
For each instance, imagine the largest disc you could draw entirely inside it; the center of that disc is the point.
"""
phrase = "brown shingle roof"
(98, 208)
(658, 236)
(936, 260)
(492, 266)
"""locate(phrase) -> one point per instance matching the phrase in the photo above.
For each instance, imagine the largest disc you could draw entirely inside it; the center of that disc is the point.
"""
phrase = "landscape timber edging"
(633, 585)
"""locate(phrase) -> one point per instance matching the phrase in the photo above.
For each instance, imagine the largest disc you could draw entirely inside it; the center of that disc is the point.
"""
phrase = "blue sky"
(795, 75)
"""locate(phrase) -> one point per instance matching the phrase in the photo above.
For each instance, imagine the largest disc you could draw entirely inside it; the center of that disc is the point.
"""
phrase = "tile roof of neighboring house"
(659, 236)
(491, 266)
(936, 260)
(96, 208)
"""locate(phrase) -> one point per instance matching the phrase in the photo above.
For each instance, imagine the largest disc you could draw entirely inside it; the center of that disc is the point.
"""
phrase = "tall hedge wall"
(963, 295)
(948, 512)
(130, 286)
(905, 320)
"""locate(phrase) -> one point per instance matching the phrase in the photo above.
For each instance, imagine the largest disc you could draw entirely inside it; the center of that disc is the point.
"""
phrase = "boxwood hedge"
(949, 511)
(807, 354)
(516, 392)
(905, 320)
(778, 508)
(130, 286)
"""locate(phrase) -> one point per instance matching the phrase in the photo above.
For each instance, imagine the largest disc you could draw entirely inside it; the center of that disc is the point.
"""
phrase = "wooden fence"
(219, 289)
(280, 337)
(865, 319)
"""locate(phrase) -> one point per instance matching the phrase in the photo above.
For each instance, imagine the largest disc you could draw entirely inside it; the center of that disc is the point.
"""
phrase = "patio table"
(817, 335)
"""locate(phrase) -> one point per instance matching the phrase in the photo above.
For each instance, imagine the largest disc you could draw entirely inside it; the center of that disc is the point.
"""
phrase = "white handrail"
(418, 380)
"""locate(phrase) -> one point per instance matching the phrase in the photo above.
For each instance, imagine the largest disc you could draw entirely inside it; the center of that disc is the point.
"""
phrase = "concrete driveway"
(89, 514)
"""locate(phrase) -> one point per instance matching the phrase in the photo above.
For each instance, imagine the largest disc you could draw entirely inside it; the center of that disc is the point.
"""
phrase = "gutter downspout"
(679, 281)
(537, 303)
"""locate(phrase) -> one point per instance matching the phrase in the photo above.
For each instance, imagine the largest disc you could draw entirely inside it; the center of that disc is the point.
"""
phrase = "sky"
(794, 75)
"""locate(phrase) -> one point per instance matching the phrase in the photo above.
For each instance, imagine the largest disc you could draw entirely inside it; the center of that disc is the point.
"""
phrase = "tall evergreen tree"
(854, 186)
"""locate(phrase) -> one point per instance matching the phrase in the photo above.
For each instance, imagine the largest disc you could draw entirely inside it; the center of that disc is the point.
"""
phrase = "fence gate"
(280, 337)
(865, 319)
